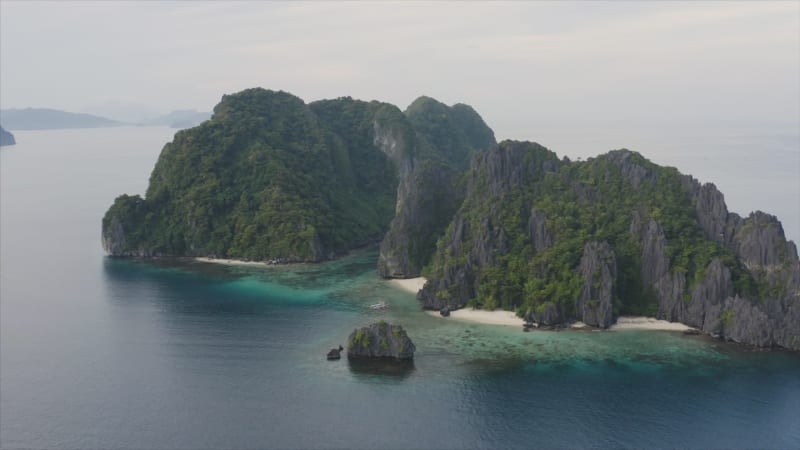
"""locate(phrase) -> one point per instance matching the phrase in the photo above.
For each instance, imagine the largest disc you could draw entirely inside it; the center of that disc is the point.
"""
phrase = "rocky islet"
(510, 225)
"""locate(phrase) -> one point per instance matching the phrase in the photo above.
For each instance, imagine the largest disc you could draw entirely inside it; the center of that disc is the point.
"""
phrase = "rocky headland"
(6, 138)
(561, 241)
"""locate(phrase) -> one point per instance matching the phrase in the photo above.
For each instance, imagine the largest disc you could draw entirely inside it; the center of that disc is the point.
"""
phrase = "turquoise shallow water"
(104, 353)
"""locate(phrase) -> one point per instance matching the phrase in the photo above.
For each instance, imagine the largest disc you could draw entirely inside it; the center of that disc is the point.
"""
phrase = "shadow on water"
(384, 368)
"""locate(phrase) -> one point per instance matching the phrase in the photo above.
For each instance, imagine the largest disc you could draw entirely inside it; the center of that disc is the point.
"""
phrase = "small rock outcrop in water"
(6, 138)
(380, 340)
(335, 353)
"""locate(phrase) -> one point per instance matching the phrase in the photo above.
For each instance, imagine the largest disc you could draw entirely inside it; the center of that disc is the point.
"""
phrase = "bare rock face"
(114, 238)
(430, 189)
(707, 299)
(598, 269)
(458, 283)
(713, 304)
(633, 172)
(380, 340)
(548, 315)
(760, 242)
(668, 286)
(540, 237)
(699, 264)
(427, 197)
(473, 245)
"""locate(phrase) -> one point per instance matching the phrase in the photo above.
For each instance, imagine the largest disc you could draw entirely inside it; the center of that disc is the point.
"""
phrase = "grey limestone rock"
(429, 192)
(378, 341)
(472, 245)
(707, 297)
(114, 242)
(713, 304)
(598, 268)
(748, 291)
(548, 314)
(427, 197)
(538, 234)
(636, 174)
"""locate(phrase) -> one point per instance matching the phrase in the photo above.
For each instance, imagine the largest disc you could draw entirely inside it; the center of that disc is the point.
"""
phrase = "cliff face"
(598, 269)
(561, 241)
(427, 197)
(476, 235)
(762, 314)
(6, 138)
(430, 189)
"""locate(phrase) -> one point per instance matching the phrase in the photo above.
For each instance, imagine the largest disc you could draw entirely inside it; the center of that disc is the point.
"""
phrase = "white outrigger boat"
(380, 305)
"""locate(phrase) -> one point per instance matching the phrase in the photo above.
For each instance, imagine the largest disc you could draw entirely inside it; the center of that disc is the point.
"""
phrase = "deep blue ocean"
(98, 352)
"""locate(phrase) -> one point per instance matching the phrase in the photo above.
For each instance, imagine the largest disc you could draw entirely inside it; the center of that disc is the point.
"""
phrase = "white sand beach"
(647, 323)
(230, 262)
(412, 285)
(508, 318)
(496, 317)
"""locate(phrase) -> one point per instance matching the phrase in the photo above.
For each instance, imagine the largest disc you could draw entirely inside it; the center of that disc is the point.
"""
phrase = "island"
(380, 340)
(51, 119)
(507, 225)
(6, 138)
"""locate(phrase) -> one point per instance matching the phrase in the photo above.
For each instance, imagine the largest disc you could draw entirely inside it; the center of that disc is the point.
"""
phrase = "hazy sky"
(581, 78)
(514, 62)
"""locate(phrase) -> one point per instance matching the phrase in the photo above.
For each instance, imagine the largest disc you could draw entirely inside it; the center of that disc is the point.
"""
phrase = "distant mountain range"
(183, 118)
(53, 119)
(49, 119)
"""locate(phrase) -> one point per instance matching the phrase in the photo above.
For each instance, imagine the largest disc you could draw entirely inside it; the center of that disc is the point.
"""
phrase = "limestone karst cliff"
(560, 241)
(431, 189)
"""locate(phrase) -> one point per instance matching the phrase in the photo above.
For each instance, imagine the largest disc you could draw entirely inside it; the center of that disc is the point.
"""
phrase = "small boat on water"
(380, 305)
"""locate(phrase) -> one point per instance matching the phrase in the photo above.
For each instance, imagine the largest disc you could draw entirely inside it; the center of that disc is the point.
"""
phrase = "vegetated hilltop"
(559, 241)
(271, 178)
(51, 119)
(6, 138)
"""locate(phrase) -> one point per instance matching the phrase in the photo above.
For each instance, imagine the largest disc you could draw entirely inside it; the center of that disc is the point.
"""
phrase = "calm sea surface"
(104, 353)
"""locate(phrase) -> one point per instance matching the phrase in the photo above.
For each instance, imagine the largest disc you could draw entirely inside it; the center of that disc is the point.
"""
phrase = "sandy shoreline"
(412, 285)
(230, 262)
(647, 323)
(496, 317)
(508, 318)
